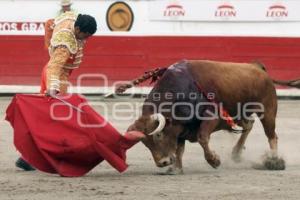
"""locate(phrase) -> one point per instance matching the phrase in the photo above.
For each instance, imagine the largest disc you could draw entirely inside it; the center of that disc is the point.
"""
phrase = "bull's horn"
(162, 122)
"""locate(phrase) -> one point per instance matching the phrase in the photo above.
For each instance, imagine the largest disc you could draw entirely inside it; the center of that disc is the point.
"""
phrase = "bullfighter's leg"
(205, 129)
(237, 149)
(22, 164)
(176, 168)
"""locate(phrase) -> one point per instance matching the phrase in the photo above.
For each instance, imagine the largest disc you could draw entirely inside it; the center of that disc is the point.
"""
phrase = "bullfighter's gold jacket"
(65, 52)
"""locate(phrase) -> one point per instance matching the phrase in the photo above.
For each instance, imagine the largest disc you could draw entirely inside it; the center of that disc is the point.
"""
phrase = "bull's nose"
(165, 162)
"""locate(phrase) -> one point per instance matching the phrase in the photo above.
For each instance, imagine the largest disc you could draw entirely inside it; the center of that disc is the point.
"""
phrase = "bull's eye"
(158, 136)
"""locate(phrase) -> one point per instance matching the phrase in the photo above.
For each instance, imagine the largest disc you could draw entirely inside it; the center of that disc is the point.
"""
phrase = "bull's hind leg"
(269, 127)
(237, 149)
(268, 121)
(205, 129)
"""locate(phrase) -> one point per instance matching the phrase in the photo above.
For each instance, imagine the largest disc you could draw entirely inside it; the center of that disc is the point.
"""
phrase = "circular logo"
(119, 17)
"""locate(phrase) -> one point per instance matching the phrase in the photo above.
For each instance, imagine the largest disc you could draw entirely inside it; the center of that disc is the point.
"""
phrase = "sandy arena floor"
(141, 181)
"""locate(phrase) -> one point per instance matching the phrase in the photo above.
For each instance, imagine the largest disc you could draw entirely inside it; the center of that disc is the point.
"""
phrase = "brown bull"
(186, 101)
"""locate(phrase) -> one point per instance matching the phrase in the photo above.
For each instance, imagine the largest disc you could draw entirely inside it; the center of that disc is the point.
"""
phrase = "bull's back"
(233, 82)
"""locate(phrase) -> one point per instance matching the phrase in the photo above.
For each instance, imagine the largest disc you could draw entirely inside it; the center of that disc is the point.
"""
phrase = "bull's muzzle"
(166, 161)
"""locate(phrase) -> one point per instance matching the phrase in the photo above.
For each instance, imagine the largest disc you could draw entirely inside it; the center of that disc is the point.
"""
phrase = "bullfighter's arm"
(55, 67)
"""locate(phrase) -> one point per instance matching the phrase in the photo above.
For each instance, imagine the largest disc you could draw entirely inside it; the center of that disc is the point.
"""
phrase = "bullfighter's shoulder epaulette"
(65, 38)
(65, 16)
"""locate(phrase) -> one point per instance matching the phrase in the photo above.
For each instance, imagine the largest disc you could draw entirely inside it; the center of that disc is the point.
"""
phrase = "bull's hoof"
(236, 155)
(270, 162)
(174, 171)
(171, 171)
(214, 161)
(274, 163)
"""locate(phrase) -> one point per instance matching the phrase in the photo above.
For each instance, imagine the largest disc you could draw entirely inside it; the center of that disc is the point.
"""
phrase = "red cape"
(64, 146)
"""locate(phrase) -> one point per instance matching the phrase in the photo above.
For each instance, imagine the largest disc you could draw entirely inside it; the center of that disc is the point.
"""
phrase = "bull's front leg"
(205, 129)
(176, 168)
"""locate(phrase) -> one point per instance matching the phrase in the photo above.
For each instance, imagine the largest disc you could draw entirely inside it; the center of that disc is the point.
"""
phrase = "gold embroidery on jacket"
(63, 46)
(56, 74)
(65, 16)
(65, 38)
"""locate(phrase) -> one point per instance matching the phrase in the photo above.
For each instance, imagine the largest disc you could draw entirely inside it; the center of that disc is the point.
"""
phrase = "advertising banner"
(211, 10)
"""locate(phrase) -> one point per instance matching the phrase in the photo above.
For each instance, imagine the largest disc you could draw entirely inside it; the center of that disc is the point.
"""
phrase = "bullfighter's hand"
(52, 92)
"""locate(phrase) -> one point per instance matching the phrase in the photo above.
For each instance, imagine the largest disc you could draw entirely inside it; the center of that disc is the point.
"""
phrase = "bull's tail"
(155, 74)
(291, 83)
(259, 64)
